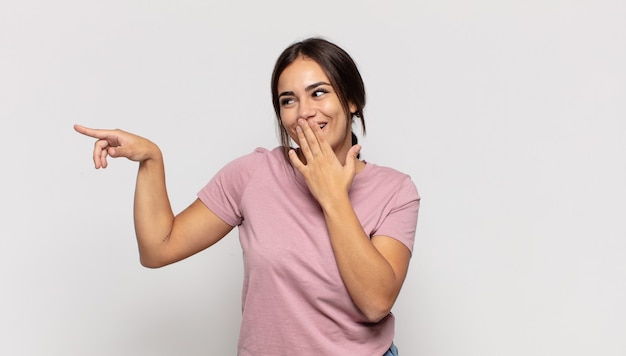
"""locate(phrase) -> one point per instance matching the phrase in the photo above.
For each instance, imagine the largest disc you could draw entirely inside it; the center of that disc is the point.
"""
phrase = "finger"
(355, 151)
(99, 153)
(310, 137)
(115, 151)
(95, 133)
(103, 158)
(351, 156)
(295, 160)
(320, 139)
(304, 144)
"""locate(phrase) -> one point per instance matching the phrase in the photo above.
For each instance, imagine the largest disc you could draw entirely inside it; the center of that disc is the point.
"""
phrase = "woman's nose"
(306, 109)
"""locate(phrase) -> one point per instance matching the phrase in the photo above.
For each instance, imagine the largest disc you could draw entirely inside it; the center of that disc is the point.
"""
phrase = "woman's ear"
(352, 108)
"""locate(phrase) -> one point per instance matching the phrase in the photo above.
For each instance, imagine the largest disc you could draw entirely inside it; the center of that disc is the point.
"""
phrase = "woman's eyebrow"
(286, 93)
(307, 89)
(315, 85)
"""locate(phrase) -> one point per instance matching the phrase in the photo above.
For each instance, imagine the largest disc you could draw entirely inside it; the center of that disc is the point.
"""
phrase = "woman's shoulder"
(375, 171)
(243, 167)
(384, 176)
(257, 156)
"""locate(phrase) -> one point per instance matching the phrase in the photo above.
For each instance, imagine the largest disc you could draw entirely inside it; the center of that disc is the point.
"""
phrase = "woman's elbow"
(376, 312)
(151, 262)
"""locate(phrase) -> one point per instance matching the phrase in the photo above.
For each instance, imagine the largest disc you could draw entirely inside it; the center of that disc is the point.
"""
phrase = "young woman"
(326, 237)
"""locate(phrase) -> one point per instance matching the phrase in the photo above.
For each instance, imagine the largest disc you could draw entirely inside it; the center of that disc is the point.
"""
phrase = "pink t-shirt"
(294, 301)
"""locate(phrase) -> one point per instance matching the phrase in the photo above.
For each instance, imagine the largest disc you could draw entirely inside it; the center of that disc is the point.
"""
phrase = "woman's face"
(304, 92)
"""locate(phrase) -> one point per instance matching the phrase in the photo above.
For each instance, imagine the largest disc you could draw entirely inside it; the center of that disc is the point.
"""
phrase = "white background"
(509, 115)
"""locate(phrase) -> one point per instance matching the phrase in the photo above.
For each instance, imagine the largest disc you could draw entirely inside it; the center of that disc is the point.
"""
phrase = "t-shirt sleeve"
(222, 195)
(401, 221)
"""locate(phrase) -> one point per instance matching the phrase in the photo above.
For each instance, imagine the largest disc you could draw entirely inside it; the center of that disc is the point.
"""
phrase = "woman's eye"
(286, 101)
(319, 92)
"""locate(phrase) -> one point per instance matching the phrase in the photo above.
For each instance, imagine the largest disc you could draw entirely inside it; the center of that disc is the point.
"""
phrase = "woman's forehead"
(302, 72)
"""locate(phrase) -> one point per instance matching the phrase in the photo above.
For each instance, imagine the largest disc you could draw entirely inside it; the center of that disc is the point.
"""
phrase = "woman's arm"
(162, 237)
(373, 270)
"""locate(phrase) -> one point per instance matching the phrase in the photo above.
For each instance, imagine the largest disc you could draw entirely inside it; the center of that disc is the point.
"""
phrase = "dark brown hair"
(340, 69)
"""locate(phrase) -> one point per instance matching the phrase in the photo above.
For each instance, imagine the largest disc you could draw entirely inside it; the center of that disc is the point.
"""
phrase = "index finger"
(95, 133)
(310, 140)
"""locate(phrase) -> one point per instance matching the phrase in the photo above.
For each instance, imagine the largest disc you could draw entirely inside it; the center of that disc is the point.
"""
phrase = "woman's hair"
(340, 70)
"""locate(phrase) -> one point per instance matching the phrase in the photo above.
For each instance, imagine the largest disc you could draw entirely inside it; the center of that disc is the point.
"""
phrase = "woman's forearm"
(152, 210)
(370, 279)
